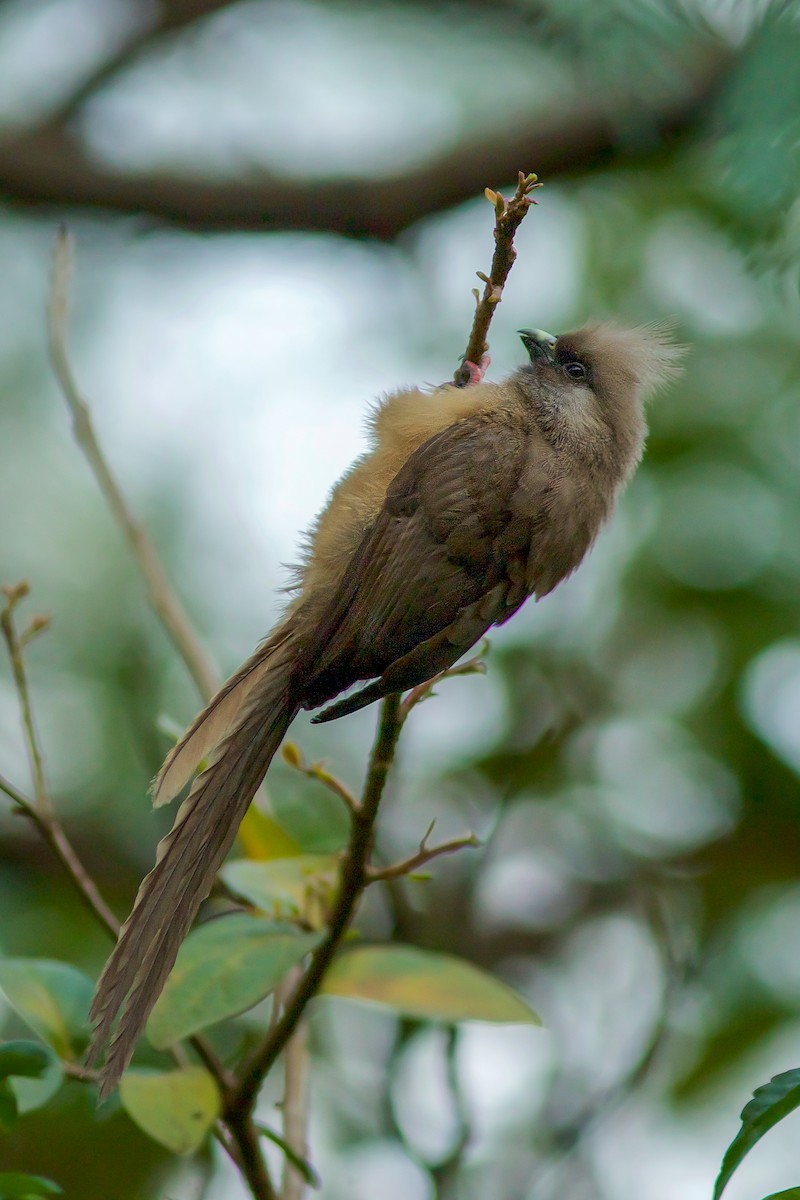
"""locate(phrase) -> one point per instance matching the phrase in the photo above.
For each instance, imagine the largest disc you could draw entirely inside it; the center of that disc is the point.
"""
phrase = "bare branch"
(472, 666)
(13, 595)
(292, 756)
(424, 855)
(352, 882)
(509, 215)
(49, 168)
(161, 595)
(169, 17)
(40, 809)
(296, 1065)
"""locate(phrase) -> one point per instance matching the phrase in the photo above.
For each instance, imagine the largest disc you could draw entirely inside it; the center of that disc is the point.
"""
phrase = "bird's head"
(589, 387)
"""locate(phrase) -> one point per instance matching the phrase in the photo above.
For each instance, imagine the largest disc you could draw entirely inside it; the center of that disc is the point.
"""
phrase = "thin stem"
(295, 1109)
(14, 645)
(352, 882)
(424, 855)
(508, 217)
(161, 595)
(175, 621)
(248, 1156)
(42, 813)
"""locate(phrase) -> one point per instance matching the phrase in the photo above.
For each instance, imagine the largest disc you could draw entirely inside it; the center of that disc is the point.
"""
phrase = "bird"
(470, 500)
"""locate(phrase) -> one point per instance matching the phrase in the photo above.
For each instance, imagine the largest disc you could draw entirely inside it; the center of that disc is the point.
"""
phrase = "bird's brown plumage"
(469, 501)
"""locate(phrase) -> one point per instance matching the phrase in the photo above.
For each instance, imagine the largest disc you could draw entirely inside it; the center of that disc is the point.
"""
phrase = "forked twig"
(509, 214)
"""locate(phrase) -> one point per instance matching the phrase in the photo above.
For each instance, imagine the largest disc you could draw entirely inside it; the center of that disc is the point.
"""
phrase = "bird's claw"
(476, 372)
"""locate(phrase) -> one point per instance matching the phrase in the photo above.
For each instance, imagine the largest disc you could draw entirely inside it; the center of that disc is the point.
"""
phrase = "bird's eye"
(575, 370)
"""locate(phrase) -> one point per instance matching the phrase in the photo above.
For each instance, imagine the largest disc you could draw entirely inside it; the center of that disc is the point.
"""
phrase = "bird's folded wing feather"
(439, 544)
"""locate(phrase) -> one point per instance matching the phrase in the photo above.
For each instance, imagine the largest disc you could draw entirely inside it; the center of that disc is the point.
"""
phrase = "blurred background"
(278, 213)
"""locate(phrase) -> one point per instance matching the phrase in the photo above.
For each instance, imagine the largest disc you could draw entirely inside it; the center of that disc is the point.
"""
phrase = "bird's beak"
(538, 343)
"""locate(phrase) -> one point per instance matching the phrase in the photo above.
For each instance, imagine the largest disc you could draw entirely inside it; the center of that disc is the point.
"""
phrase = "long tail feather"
(187, 860)
(211, 725)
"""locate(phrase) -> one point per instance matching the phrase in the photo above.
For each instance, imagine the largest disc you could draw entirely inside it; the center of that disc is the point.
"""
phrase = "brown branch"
(49, 168)
(13, 595)
(292, 756)
(509, 215)
(40, 810)
(168, 17)
(42, 813)
(472, 666)
(245, 1148)
(352, 882)
(424, 855)
(161, 595)
(295, 1110)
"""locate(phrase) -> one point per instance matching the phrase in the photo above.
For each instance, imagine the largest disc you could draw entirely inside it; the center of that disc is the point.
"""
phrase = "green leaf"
(789, 1194)
(223, 968)
(52, 998)
(315, 818)
(23, 1058)
(284, 885)
(34, 1072)
(770, 1104)
(174, 1108)
(418, 983)
(8, 1107)
(34, 1093)
(15, 1186)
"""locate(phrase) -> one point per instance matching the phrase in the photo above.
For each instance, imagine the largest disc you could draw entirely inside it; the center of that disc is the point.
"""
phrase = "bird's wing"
(443, 561)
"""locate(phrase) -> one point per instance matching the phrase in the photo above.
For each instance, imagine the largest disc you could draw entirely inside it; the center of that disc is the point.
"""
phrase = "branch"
(244, 1148)
(424, 855)
(13, 595)
(161, 595)
(352, 882)
(292, 756)
(48, 168)
(40, 810)
(168, 17)
(295, 1111)
(445, 1170)
(472, 666)
(509, 215)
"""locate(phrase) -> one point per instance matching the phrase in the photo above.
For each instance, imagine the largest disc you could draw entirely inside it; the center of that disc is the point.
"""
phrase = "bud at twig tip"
(292, 755)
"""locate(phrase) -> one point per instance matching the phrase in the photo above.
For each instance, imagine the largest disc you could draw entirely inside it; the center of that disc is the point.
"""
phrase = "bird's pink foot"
(477, 372)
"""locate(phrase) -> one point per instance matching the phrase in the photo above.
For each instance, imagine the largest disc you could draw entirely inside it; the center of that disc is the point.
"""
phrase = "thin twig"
(80, 1073)
(13, 595)
(352, 882)
(508, 216)
(292, 756)
(424, 855)
(40, 809)
(246, 1150)
(472, 666)
(161, 595)
(41, 812)
(296, 1066)
(443, 1172)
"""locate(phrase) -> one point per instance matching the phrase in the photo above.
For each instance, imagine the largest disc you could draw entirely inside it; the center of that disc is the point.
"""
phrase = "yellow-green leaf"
(223, 968)
(261, 837)
(175, 1108)
(419, 983)
(285, 885)
(52, 998)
